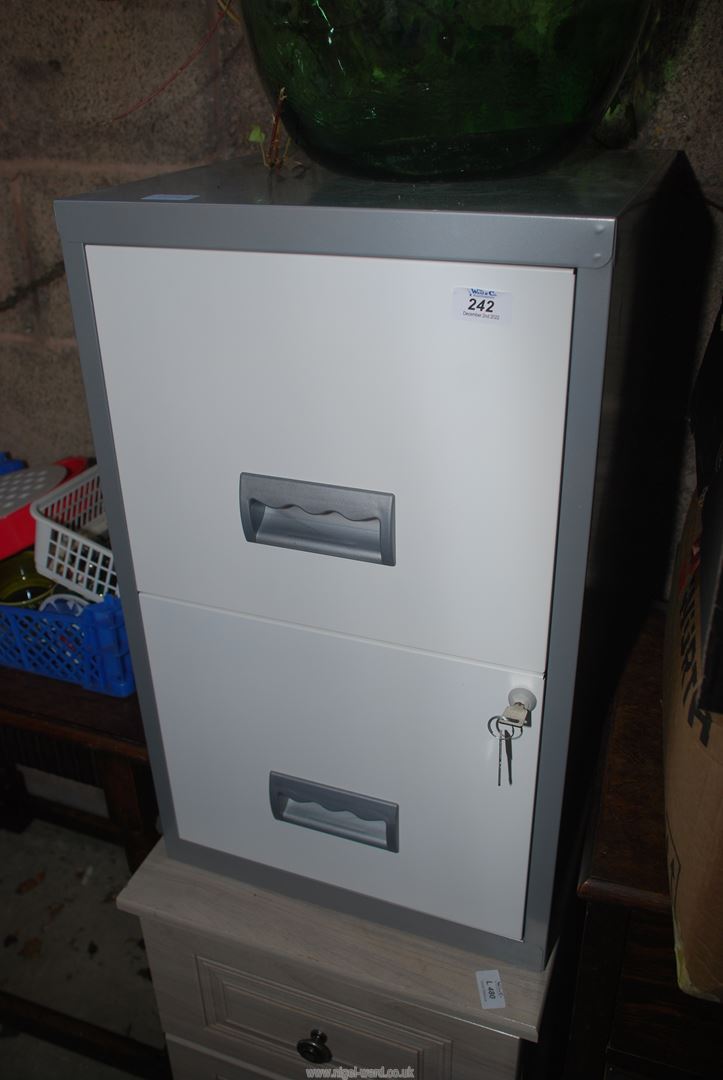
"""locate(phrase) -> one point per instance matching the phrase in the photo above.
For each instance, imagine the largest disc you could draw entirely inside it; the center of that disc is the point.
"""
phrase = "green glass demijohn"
(442, 88)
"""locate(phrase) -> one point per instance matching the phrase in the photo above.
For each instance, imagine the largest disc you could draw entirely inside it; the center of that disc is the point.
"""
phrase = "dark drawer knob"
(314, 1048)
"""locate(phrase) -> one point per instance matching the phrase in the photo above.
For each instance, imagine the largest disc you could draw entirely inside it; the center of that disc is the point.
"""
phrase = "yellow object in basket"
(20, 583)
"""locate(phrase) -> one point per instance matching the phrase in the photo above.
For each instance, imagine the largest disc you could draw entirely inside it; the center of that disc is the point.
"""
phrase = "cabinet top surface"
(564, 217)
(387, 962)
(589, 185)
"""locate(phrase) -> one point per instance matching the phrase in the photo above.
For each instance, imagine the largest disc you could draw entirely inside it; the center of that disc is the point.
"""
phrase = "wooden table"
(629, 1013)
(108, 727)
(111, 729)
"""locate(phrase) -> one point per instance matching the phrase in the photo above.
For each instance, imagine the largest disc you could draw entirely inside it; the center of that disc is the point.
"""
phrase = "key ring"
(514, 730)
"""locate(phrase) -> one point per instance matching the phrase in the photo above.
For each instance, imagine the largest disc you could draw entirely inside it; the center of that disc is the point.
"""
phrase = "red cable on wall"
(179, 71)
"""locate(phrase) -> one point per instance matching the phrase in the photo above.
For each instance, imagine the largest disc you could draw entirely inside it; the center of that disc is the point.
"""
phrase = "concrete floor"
(65, 945)
(23, 1058)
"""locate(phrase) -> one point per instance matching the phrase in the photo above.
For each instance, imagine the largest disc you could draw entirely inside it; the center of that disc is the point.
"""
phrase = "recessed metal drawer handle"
(350, 523)
(331, 810)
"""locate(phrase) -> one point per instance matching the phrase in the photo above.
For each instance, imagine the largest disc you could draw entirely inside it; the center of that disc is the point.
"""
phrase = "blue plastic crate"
(90, 649)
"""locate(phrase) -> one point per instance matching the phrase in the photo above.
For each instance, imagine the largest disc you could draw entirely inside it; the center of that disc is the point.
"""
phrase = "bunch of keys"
(505, 731)
(509, 726)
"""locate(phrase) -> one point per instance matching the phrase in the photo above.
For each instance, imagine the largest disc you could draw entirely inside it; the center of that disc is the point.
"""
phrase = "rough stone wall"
(688, 115)
(70, 66)
(67, 68)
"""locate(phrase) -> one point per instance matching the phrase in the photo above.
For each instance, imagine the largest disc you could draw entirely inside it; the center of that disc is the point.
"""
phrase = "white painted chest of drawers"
(244, 976)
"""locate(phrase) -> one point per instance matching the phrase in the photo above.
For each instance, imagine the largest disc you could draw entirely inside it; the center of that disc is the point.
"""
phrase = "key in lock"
(509, 725)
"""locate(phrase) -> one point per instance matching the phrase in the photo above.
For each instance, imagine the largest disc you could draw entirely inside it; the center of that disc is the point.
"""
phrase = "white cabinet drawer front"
(239, 699)
(263, 1014)
(354, 372)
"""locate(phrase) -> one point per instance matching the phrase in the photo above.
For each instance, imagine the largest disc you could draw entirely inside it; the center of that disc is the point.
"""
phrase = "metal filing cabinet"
(348, 432)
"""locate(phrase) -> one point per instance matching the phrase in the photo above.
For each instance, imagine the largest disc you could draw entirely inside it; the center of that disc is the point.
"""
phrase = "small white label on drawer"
(490, 989)
(483, 305)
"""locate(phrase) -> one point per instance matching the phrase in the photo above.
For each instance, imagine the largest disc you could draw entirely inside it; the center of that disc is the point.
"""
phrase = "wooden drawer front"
(189, 1062)
(255, 1012)
(265, 1015)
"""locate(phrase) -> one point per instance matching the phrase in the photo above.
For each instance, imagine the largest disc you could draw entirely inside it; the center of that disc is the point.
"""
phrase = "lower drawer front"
(256, 1014)
(336, 712)
(189, 1062)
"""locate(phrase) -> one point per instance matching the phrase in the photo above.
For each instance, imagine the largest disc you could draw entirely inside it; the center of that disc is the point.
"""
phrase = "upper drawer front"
(266, 1016)
(356, 373)
(192, 1063)
(257, 1019)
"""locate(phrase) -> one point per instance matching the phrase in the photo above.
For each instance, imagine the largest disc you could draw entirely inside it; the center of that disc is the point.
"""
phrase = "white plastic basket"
(70, 545)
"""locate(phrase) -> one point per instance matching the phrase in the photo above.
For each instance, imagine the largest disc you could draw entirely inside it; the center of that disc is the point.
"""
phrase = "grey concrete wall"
(68, 67)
